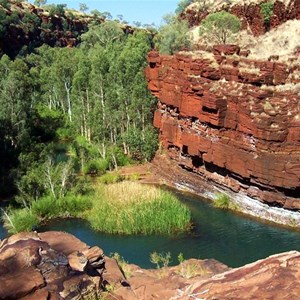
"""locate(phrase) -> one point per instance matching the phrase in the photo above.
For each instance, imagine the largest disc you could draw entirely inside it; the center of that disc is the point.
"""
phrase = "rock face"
(273, 278)
(232, 120)
(30, 27)
(56, 265)
(25, 27)
(250, 14)
(52, 265)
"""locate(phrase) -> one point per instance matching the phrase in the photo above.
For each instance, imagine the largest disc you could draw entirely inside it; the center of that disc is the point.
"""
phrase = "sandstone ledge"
(168, 172)
(232, 120)
(50, 266)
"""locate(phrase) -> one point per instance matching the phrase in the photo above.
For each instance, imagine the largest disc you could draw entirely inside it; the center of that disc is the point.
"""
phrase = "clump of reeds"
(223, 201)
(133, 208)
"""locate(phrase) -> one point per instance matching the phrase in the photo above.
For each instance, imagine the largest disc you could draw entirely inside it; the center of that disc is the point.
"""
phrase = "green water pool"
(232, 239)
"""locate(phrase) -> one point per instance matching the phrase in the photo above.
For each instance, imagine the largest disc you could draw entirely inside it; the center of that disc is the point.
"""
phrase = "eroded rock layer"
(232, 120)
(250, 13)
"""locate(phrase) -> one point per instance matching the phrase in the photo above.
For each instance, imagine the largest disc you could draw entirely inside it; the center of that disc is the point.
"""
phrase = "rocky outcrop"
(249, 13)
(232, 120)
(273, 278)
(48, 265)
(56, 265)
(25, 27)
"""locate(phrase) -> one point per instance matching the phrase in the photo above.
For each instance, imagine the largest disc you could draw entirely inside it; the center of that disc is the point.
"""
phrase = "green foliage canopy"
(93, 97)
(267, 11)
(219, 27)
(173, 36)
(182, 5)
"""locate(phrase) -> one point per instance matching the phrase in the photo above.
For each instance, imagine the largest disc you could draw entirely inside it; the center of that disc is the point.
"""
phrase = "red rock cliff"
(232, 120)
(250, 14)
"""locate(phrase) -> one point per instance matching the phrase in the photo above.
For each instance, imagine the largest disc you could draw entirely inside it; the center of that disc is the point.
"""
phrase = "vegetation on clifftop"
(173, 36)
(219, 27)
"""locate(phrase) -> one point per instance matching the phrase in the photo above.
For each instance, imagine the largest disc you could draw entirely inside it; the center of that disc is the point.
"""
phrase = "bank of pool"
(232, 239)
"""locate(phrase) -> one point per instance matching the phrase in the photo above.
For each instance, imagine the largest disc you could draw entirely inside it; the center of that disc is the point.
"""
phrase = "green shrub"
(133, 208)
(111, 177)
(133, 177)
(160, 259)
(69, 206)
(74, 205)
(20, 220)
(142, 144)
(46, 207)
(223, 201)
(267, 11)
(96, 166)
(219, 27)
(173, 37)
(82, 186)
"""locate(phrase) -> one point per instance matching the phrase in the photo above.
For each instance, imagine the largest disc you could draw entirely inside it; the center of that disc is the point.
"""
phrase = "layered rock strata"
(273, 278)
(250, 13)
(232, 120)
(30, 27)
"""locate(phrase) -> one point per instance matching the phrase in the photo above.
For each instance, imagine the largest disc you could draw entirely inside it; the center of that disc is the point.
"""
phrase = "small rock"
(78, 261)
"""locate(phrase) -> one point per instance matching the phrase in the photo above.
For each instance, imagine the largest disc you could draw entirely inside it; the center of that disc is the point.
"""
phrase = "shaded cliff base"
(56, 265)
(165, 171)
(170, 173)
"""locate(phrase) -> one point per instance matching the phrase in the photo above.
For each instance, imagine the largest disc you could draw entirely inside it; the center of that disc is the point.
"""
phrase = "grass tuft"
(111, 177)
(223, 201)
(133, 208)
(19, 220)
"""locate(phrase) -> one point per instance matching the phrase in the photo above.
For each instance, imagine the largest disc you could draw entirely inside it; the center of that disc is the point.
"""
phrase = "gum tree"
(173, 36)
(219, 27)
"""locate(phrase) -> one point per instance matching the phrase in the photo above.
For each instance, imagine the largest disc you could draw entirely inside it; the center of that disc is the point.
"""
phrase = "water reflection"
(229, 238)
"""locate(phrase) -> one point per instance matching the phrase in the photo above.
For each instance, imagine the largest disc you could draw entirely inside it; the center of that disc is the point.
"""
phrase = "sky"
(144, 11)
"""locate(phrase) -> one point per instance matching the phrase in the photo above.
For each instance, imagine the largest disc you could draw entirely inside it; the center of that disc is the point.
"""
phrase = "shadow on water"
(229, 238)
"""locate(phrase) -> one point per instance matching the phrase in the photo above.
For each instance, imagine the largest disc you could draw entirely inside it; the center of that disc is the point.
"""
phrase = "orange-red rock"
(232, 117)
(251, 15)
(276, 277)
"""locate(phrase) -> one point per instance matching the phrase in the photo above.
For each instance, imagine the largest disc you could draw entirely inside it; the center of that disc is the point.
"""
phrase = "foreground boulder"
(276, 277)
(56, 265)
(52, 264)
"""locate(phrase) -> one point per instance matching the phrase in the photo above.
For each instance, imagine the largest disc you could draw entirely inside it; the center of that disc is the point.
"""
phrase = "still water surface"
(229, 238)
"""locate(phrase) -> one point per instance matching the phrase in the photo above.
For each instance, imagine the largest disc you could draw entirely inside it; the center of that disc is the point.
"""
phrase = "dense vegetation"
(173, 36)
(70, 112)
(118, 208)
(132, 208)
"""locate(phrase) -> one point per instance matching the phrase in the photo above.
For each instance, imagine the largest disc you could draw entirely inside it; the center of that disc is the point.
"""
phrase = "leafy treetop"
(219, 27)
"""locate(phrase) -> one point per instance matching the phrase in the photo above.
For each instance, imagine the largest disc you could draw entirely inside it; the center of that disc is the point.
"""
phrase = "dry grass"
(281, 41)
(199, 54)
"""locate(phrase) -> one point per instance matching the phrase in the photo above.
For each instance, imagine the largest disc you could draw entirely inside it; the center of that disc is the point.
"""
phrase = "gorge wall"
(24, 26)
(232, 120)
(250, 13)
